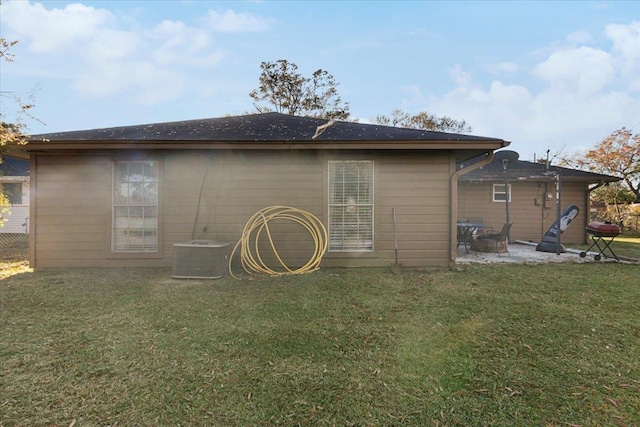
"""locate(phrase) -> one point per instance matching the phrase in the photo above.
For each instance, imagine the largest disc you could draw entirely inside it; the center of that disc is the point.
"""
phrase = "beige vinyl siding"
(72, 211)
(529, 211)
(417, 185)
(575, 193)
(210, 195)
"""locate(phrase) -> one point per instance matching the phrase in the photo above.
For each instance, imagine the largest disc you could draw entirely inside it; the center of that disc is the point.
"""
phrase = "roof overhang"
(464, 149)
(268, 131)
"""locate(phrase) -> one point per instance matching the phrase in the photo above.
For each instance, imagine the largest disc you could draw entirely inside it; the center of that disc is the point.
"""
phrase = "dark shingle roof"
(258, 128)
(520, 170)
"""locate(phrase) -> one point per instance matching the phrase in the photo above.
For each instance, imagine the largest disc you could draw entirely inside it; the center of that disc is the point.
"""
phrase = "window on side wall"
(350, 205)
(135, 206)
(12, 191)
(501, 192)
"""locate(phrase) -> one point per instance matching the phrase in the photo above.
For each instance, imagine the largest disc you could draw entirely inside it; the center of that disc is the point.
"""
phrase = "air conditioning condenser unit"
(200, 259)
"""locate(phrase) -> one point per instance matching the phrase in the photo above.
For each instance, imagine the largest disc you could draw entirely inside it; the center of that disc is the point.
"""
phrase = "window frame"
(331, 204)
(132, 251)
(505, 193)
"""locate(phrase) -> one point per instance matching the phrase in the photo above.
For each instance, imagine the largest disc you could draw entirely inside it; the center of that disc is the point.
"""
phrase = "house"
(124, 196)
(14, 184)
(527, 193)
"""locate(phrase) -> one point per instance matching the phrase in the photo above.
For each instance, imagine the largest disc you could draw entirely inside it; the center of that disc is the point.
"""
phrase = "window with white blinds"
(351, 205)
(135, 206)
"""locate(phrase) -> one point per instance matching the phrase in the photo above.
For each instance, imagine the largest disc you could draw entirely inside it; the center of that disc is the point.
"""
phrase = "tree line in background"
(424, 121)
(619, 155)
(282, 88)
(10, 133)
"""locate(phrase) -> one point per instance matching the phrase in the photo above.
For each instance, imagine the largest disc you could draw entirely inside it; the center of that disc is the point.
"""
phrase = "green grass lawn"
(500, 345)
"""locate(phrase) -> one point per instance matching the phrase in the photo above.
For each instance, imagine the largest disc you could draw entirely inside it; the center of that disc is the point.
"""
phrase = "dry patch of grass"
(14, 261)
(627, 246)
(499, 345)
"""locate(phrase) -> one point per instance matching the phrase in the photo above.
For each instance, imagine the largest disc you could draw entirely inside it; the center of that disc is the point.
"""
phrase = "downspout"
(453, 229)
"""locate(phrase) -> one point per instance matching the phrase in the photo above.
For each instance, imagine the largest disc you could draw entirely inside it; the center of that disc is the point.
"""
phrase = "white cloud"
(48, 30)
(537, 121)
(626, 48)
(175, 34)
(174, 43)
(459, 76)
(489, 111)
(580, 98)
(103, 55)
(626, 39)
(111, 45)
(232, 22)
(585, 70)
(139, 82)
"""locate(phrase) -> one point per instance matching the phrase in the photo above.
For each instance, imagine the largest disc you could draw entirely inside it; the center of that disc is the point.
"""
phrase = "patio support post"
(454, 202)
(507, 193)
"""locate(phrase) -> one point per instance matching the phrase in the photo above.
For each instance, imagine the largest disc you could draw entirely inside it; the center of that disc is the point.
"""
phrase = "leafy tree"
(424, 121)
(11, 132)
(617, 200)
(619, 155)
(285, 90)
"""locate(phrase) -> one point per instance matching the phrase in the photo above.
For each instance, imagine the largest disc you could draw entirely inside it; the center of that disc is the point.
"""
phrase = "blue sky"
(556, 76)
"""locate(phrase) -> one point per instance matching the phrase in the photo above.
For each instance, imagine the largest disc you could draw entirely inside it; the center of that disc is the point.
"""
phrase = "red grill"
(603, 229)
(602, 233)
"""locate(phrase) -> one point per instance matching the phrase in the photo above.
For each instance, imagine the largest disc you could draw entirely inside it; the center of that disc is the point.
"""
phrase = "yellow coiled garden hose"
(249, 242)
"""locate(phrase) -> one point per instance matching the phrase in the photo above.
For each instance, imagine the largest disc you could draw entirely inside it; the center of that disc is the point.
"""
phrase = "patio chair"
(493, 242)
(481, 229)
(467, 230)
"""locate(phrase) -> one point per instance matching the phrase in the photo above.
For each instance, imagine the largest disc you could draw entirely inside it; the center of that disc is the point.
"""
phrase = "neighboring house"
(14, 184)
(122, 197)
(531, 188)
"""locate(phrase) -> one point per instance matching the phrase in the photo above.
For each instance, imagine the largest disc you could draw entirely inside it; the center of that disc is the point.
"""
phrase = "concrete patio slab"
(525, 253)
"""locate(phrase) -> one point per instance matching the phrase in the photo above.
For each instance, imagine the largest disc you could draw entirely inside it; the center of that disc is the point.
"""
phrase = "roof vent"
(322, 128)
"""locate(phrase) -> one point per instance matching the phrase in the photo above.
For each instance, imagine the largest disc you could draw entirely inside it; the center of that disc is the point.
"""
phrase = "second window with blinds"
(351, 205)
